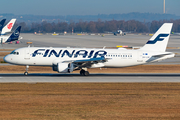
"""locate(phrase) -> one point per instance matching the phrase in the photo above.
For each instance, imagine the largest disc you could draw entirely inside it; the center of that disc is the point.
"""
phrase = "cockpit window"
(12, 52)
(15, 53)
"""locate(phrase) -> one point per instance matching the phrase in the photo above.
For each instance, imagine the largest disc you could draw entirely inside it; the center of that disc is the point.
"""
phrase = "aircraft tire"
(25, 73)
(86, 73)
(82, 72)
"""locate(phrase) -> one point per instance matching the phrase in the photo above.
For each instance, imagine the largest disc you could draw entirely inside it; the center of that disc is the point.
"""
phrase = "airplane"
(120, 32)
(67, 60)
(7, 29)
(14, 36)
(2, 24)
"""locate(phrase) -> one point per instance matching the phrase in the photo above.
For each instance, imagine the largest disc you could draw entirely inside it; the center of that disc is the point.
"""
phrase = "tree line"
(97, 26)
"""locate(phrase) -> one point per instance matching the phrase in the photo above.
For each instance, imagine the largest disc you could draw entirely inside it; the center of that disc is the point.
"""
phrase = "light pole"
(164, 7)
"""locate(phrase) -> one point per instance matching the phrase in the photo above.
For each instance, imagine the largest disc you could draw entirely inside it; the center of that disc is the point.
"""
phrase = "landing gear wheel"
(25, 73)
(84, 73)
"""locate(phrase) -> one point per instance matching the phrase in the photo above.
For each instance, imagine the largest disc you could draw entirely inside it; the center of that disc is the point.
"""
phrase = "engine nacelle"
(63, 67)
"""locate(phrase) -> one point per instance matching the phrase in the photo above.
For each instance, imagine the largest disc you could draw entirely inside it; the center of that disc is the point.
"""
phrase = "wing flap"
(87, 62)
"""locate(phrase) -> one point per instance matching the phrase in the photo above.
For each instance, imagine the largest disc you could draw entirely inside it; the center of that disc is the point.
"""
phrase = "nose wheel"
(26, 73)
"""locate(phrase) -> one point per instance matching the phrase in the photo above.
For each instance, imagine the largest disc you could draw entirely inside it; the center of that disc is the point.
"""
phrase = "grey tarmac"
(92, 78)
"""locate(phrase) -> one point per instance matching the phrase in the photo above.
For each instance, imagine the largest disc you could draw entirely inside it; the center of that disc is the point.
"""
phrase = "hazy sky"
(87, 7)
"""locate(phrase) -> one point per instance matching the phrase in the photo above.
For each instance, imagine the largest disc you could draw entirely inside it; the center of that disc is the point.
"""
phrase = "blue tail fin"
(15, 35)
(2, 24)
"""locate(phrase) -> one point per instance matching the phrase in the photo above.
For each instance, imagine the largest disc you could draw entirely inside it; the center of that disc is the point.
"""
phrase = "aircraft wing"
(87, 62)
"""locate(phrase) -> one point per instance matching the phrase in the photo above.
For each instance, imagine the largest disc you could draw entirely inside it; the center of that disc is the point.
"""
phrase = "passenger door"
(27, 54)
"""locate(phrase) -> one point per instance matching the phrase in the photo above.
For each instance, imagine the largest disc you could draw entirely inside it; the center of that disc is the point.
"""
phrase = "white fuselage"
(47, 56)
(3, 39)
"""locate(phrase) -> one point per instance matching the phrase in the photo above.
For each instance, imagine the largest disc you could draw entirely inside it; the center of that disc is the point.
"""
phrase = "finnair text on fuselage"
(70, 54)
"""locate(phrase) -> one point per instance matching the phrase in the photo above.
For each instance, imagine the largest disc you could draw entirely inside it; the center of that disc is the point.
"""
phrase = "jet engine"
(63, 67)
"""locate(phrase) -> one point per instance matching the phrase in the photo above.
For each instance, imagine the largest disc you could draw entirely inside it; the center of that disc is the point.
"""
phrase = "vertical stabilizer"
(2, 24)
(159, 40)
(8, 27)
(15, 35)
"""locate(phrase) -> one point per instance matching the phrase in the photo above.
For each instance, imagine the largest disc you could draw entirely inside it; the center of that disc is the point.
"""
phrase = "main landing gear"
(26, 73)
(84, 73)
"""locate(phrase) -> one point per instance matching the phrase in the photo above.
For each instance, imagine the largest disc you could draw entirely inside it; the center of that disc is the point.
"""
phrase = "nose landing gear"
(26, 72)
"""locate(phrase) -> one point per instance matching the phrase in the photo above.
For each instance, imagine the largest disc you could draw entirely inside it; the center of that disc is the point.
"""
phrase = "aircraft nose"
(7, 58)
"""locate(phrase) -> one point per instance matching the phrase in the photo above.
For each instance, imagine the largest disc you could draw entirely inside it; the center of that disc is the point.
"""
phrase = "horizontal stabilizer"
(159, 57)
(162, 55)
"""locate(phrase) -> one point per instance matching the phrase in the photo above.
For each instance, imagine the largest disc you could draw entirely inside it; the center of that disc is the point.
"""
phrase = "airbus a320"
(66, 60)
